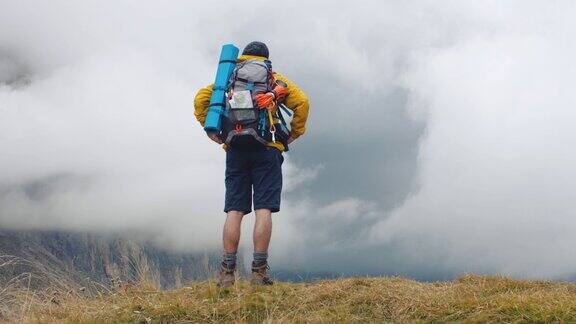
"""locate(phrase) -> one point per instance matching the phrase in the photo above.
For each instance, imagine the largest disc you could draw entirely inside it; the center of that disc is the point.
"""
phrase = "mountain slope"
(104, 259)
(470, 298)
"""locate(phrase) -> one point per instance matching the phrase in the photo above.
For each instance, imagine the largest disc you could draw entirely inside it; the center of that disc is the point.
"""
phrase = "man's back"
(296, 100)
(254, 175)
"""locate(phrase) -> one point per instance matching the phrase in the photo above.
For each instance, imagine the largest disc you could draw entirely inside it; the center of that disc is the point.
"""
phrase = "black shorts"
(259, 170)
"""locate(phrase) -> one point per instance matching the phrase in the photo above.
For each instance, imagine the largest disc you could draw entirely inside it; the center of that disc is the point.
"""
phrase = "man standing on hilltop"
(254, 135)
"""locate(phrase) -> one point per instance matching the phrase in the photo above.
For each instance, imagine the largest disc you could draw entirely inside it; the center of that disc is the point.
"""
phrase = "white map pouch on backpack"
(241, 100)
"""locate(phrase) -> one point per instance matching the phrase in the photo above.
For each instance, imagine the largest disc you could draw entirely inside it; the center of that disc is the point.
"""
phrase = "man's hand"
(214, 137)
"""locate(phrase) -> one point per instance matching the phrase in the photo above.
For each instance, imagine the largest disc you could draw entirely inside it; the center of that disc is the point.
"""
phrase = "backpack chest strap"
(249, 82)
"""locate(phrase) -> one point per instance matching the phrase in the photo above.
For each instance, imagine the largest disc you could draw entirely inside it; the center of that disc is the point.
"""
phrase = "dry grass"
(35, 287)
(468, 299)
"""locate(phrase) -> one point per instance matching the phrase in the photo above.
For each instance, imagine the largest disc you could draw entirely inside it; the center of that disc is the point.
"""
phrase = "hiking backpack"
(244, 125)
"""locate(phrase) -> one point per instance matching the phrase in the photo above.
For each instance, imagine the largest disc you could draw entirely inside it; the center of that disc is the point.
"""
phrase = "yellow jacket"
(296, 100)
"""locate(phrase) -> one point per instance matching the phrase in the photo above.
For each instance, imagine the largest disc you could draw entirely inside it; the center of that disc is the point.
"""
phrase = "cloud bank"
(439, 141)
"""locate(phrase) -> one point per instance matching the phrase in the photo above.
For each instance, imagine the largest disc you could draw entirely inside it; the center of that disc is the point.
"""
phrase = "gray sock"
(260, 258)
(229, 260)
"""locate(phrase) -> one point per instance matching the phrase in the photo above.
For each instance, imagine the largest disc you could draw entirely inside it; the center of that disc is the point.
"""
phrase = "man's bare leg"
(230, 238)
(262, 230)
(231, 232)
(261, 236)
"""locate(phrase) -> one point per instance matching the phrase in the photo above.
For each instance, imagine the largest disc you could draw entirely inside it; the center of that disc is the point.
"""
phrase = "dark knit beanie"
(257, 49)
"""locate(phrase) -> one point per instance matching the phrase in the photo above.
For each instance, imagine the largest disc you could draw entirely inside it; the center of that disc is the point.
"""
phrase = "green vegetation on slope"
(470, 298)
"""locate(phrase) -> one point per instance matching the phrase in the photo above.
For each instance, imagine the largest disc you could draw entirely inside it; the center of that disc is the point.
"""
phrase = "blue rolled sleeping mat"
(228, 57)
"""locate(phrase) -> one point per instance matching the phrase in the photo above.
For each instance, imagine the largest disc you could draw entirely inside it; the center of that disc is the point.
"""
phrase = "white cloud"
(103, 136)
(496, 169)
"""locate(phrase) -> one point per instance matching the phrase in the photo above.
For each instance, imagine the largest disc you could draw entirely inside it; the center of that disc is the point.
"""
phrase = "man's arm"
(298, 102)
(201, 103)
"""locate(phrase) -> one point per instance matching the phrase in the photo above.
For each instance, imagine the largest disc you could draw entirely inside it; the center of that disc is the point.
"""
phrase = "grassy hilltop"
(468, 299)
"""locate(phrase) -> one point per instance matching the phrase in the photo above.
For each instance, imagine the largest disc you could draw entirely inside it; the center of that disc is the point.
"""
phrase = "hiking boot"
(226, 277)
(260, 274)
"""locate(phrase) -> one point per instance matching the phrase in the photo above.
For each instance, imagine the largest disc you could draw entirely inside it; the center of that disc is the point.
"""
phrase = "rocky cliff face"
(103, 259)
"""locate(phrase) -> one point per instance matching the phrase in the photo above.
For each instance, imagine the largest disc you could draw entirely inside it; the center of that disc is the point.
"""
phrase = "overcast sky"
(441, 138)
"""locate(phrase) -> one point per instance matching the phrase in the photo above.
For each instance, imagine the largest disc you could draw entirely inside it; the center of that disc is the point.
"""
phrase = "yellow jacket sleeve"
(201, 103)
(298, 102)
